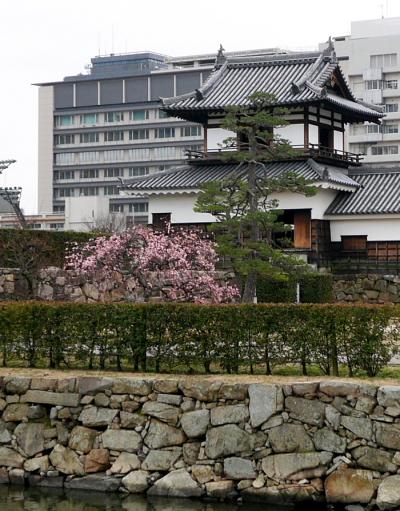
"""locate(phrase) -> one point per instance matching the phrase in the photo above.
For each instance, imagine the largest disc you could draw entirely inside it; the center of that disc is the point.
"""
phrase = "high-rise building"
(370, 58)
(105, 126)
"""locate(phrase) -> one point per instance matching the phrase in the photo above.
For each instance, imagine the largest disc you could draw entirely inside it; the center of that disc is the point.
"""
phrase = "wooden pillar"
(306, 128)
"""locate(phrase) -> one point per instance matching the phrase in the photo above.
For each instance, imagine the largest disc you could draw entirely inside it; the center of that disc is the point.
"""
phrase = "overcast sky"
(44, 40)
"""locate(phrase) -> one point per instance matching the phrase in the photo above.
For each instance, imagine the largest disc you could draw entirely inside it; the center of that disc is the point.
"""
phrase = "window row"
(120, 136)
(388, 128)
(89, 191)
(116, 155)
(64, 175)
(108, 117)
(137, 207)
(381, 84)
(383, 60)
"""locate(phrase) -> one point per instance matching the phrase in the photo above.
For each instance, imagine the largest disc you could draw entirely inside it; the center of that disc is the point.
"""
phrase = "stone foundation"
(309, 441)
(371, 288)
(65, 285)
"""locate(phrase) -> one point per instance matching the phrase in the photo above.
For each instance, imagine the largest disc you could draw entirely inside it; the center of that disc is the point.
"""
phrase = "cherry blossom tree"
(181, 263)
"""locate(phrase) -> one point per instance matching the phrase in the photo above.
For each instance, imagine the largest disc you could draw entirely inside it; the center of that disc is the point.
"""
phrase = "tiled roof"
(193, 176)
(293, 79)
(378, 193)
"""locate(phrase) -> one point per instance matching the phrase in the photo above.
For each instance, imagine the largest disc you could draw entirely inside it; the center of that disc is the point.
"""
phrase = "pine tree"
(247, 215)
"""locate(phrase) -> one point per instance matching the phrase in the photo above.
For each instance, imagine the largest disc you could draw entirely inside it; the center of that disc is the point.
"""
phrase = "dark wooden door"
(302, 229)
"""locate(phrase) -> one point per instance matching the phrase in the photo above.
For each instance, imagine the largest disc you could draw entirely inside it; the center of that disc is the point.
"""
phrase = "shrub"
(314, 288)
(198, 338)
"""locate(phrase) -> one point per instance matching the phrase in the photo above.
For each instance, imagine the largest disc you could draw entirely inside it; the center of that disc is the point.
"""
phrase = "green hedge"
(47, 246)
(198, 338)
(314, 288)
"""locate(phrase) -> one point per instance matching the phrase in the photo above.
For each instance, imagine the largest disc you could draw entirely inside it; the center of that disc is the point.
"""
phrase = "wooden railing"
(311, 151)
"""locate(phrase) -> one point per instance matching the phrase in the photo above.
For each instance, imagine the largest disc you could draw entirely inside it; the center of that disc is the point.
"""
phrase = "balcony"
(314, 151)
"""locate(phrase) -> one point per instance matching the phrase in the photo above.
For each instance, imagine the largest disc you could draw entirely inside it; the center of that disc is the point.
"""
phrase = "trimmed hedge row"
(314, 288)
(198, 338)
(51, 245)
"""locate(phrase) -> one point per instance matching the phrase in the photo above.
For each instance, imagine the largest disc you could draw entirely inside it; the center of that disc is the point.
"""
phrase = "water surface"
(46, 499)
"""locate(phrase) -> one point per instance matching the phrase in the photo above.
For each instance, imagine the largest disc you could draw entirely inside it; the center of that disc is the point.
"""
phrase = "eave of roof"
(378, 194)
(292, 79)
(192, 177)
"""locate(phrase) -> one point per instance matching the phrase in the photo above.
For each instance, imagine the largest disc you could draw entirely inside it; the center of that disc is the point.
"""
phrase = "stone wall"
(60, 285)
(188, 437)
(8, 277)
(371, 288)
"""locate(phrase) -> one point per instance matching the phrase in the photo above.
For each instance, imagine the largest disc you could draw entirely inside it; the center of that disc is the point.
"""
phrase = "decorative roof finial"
(330, 49)
(221, 59)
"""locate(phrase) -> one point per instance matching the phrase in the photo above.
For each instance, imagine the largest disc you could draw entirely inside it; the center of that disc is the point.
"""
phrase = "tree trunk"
(250, 288)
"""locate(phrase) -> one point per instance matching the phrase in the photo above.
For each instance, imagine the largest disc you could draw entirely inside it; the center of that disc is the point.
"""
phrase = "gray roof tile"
(292, 79)
(193, 176)
(378, 193)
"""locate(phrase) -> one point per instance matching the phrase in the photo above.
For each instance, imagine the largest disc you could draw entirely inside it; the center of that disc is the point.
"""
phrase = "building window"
(390, 84)
(165, 132)
(390, 128)
(138, 171)
(191, 131)
(385, 60)
(64, 139)
(139, 154)
(64, 174)
(161, 168)
(89, 138)
(114, 116)
(64, 192)
(116, 155)
(384, 150)
(354, 243)
(391, 107)
(111, 190)
(64, 120)
(138, 134)
(139, 115)
(113, 136)
(162, 114)
(88, 118)
(57, 226)
(373, 84)
(116, 208)
(374, 128)
(88, 191)
(89, 174)
(89, 156)
(114, 172)
(64, 158)
(139, 207)
(58, 209)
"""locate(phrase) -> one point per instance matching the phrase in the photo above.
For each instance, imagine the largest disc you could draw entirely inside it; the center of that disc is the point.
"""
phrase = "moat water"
(43, 499)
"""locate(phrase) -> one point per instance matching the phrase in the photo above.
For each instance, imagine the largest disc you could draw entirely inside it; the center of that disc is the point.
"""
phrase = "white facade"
(180, 205)
(370, 58)
(45, 150)
(375, 227)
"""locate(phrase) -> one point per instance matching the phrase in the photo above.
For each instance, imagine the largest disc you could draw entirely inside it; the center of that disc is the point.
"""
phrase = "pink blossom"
(183, 260)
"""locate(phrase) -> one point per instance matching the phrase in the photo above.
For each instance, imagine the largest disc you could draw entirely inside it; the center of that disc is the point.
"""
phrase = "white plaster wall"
(313, 134)
(338, 140)
(317, 203)
(45, 149)
(181, 206)
(81, 213)
(294, 133)
(216, 136)
(377, 229)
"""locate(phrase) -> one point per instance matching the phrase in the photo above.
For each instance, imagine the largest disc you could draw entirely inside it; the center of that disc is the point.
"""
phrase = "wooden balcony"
(315, 151)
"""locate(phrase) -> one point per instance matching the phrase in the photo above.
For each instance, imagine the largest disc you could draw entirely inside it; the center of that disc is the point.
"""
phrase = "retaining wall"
(373, 288)
(188, 437)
